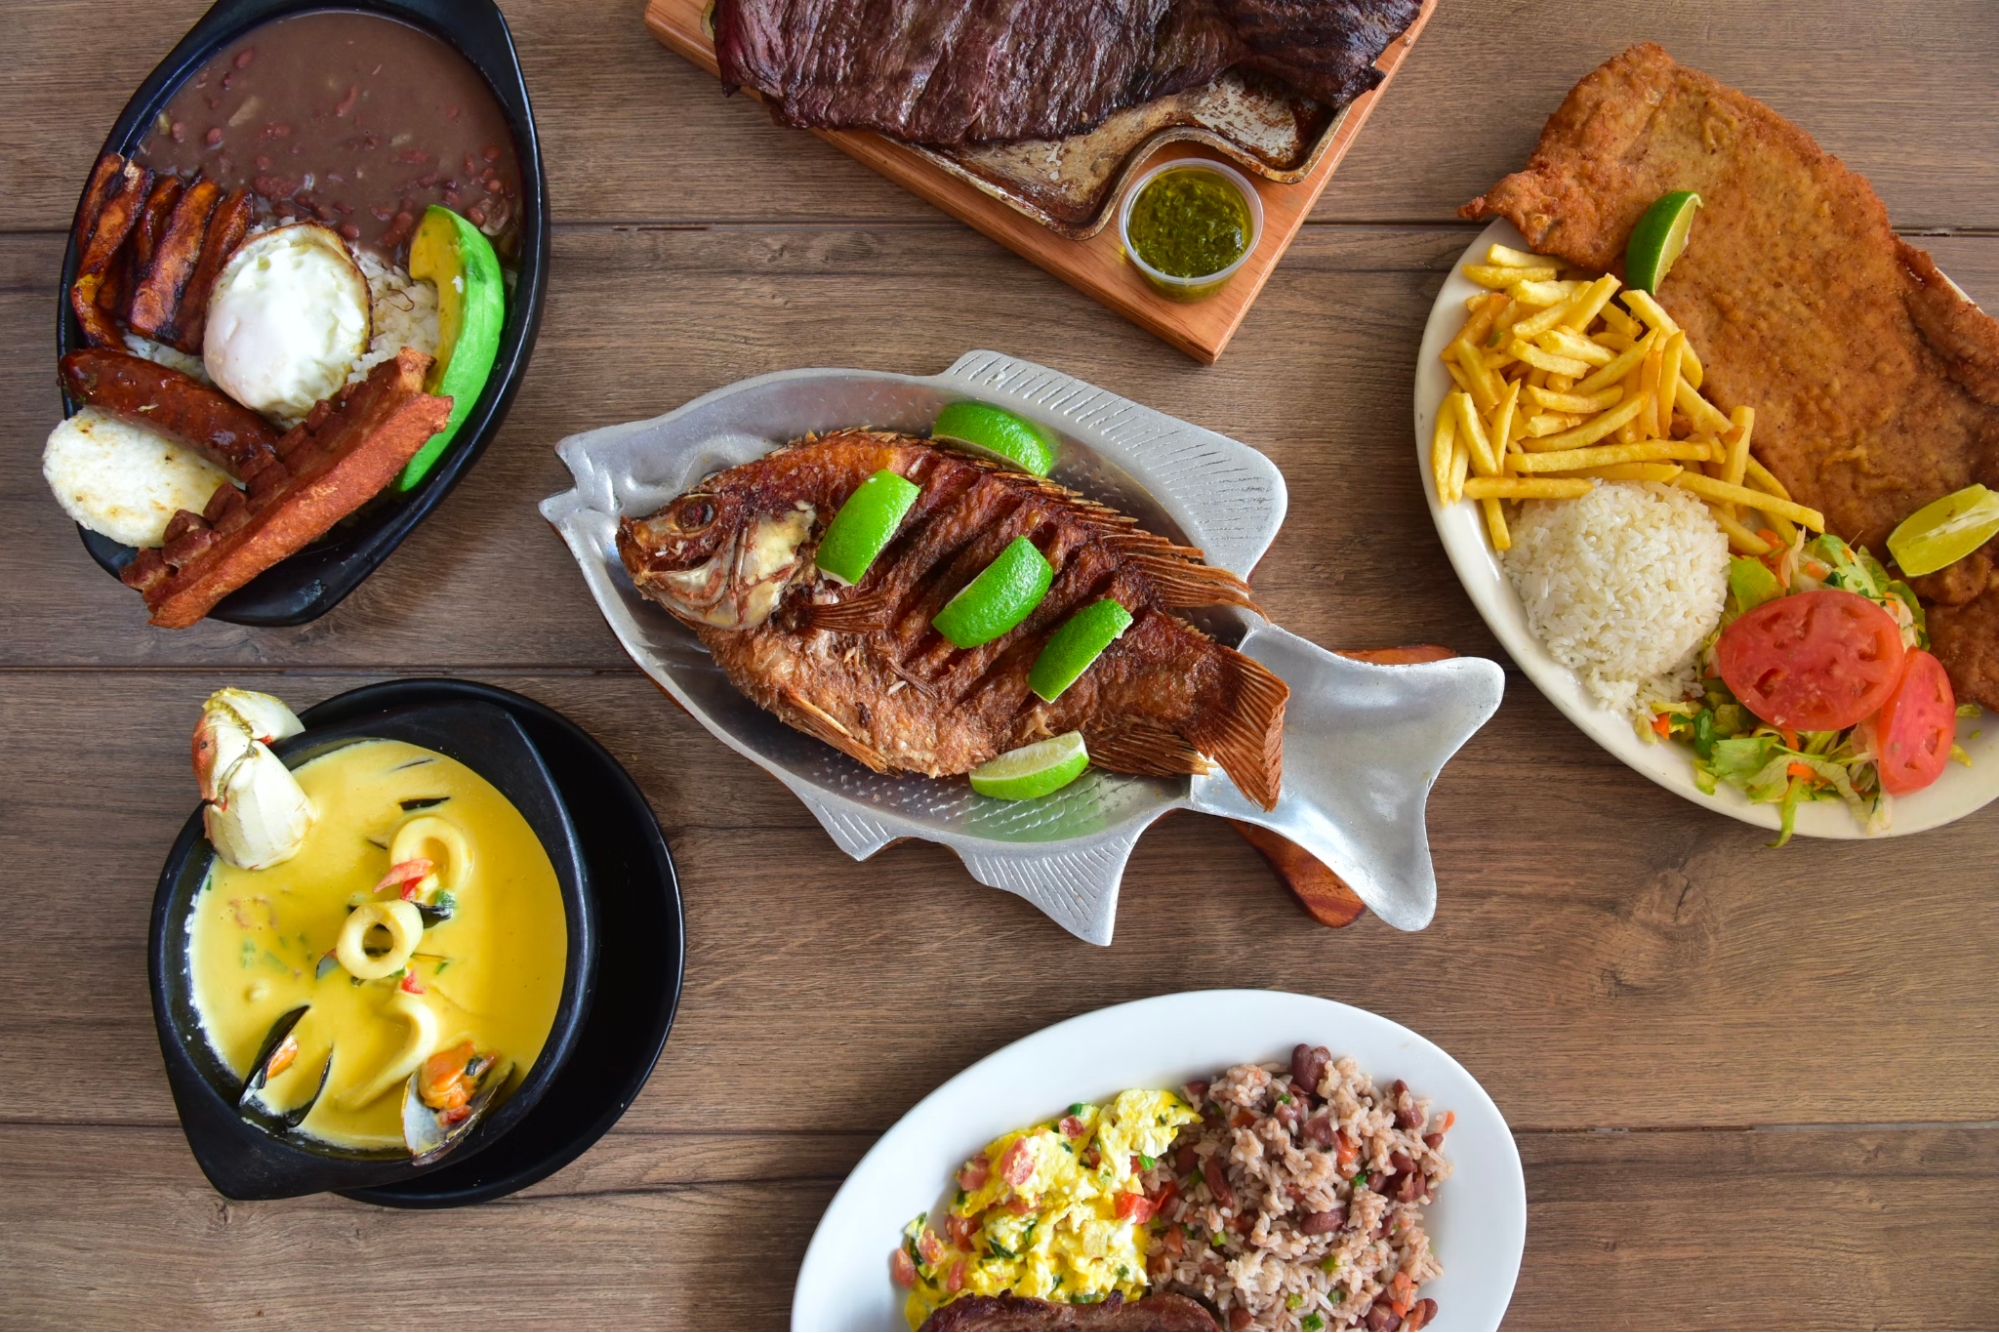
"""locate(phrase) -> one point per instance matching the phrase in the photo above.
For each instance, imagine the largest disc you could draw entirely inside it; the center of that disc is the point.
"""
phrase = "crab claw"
(230, 721)
(257, 815)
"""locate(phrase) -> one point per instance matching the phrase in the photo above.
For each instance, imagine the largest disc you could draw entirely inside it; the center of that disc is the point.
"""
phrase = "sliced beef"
(983, 70)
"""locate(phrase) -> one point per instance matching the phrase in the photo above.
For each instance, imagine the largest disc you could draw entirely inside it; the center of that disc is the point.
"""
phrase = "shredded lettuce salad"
(1780, 767)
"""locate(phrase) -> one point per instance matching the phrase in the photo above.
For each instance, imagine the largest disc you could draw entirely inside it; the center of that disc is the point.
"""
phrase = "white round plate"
(1477, 1226)
(1956, 794)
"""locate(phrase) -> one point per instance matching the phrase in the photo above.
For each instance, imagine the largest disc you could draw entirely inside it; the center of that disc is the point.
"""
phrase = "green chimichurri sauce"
(1189, 223)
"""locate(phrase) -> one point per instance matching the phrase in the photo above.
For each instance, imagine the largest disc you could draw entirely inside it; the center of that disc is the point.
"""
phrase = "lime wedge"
(1033, 770)
(1070, 650)
(1002, 596)
(1658, 239)
(990, 430)
(865, 524)
(1945, 531)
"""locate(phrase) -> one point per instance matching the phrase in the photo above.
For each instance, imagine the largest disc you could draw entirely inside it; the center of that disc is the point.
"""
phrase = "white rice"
(403, 311)
(1622, 586)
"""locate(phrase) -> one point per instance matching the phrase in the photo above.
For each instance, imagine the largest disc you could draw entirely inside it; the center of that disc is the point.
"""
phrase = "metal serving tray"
(1362, 743)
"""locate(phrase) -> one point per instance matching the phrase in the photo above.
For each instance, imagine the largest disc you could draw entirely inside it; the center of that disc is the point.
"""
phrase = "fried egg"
(1056, 1210)
(288, 320)
(124, 481)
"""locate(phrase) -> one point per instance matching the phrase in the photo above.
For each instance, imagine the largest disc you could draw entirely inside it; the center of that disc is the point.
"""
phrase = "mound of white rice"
(1622, 586)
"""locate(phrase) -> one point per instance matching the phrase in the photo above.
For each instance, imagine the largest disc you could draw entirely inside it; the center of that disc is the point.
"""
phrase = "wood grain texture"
(1651, 996)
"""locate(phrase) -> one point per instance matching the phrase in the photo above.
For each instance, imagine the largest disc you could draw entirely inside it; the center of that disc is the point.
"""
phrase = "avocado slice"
(452, 253)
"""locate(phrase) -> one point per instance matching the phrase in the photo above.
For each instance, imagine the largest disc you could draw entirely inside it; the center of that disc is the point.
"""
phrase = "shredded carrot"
(1663, 725)
(1790, 737)
(1806, 772)
(1770, 535)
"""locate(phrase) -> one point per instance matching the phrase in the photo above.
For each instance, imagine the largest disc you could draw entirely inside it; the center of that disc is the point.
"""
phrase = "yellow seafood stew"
(421, 922)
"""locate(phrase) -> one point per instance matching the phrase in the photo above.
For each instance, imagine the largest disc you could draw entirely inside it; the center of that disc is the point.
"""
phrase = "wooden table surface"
(1750, 1087)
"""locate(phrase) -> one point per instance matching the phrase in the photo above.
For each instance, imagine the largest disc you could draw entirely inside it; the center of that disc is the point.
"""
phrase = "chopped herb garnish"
(1077, 1108)
(1068, 1148)
(1285, 1099)
(1218, 1240)
(1312, 1323)
(1360, 1177)
(1294, 1300)
(1330, 1264)
(1146, 1162)
(995, 1250)
(959, 1202)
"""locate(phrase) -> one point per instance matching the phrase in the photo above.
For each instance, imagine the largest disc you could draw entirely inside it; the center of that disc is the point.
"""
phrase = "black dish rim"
(635, 1037)
(244, 1161)
(316, 579)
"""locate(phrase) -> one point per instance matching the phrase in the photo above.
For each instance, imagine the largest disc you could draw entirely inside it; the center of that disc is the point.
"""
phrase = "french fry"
(1755, 474)
(1552, 423)
(1572, 401)
(1471, 433)
(1502, 425)
(1547, 294)
(1740, 538)
(1548, 361)
(1614, 339)
(1482, 316)
(1477, 373)
(1647, 419)
(1660, 472)
(1493, 275)
(1787, 531)
(1649, 451)
(1563, 341)
(1527, 488)
(1705, 415)
(1590, 431)
(1615, 371)
(1649, 310)
(1457, 375)
(1711, 489)
(1495, 524)
(1690, 367)
(1591, 302)
(1622, 322)
(1460, 465)
(1510, 258)
(1537, 377)
(1738, 446)
(1670, 356)
(1443, 441)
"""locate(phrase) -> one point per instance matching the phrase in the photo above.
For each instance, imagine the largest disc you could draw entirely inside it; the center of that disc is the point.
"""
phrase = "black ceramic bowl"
(245, 1161)
(312, 582)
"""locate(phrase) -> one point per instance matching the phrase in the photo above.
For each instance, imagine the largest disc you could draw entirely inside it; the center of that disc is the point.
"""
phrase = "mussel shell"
(251, 1105)
(426, 1136)
(274, 1040)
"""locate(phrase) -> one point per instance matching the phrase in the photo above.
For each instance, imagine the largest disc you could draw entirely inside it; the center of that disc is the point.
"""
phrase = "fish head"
(722, 554)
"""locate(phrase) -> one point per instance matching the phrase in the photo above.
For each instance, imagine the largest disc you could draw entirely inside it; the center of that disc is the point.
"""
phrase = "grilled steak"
(1165, 1312)
(980, 70)
(861, 667)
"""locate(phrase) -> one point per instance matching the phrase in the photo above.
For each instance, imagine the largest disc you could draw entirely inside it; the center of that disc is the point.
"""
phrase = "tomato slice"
(1916, 728)
(1814, 661)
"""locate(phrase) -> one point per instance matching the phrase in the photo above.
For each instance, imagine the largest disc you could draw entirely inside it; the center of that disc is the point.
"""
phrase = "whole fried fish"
(861, 668)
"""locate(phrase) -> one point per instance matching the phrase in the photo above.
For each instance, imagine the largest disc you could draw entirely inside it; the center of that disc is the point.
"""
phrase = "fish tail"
(1243, 730)
(1145, 747)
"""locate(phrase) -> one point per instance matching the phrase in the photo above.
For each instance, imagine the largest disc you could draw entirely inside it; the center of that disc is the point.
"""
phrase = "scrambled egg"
(1055, 1211)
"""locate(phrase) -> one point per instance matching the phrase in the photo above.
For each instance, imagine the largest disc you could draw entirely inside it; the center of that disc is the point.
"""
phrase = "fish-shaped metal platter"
(1363, 743)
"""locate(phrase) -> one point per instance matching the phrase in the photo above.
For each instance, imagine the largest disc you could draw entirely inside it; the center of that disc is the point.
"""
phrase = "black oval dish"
(312, 582)
(244, 1161)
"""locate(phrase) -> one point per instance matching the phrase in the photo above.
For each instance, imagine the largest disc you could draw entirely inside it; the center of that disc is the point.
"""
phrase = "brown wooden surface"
(1750, 1088)
(1096, 265)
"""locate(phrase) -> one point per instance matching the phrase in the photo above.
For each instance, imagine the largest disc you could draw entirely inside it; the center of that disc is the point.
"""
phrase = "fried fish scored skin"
(861, 668)
(1875, 382)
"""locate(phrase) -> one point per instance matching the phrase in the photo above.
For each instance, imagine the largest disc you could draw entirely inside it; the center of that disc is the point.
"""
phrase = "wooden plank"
(1885, 1228)
(1905, 91)
(1604, 954)
(1095, 265)
(1325, 395)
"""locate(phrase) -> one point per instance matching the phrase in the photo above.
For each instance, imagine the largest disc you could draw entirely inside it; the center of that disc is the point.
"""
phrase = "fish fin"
(1179, 582)
(869, 613)
(815, 721)
(1246, 734)
(1150, 749)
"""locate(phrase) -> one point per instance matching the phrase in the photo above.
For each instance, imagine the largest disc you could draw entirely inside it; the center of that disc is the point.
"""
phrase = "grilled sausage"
(178, 406)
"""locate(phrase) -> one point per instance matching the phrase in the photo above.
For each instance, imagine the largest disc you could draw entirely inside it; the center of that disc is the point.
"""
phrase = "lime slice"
(1658, 239)
(1945, 531)
(1033, 770)
(1070, 650)
(990, 430)
(865, 524)
(1002, 596)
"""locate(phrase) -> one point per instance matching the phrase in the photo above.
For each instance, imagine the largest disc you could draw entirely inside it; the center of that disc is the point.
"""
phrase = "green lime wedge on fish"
(992, 430)
(1071, 649)
(1658, 239)
(1033, 770)
(455, 256)
(865, 524)
(1945, 531)
(1004, 594)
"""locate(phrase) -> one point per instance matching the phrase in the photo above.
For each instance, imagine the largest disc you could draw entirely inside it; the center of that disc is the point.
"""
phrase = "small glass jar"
(1201, 286)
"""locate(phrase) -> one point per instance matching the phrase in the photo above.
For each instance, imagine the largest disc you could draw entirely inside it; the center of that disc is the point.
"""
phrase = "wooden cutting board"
(1201, 329)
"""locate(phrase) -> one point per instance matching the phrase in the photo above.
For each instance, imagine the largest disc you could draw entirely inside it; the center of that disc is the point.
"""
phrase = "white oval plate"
(1478, 1225)
(1956, 794)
